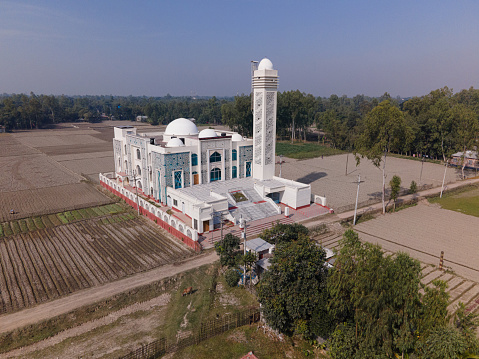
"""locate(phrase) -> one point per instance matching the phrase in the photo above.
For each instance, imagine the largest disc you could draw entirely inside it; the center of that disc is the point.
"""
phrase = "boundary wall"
(171, 224)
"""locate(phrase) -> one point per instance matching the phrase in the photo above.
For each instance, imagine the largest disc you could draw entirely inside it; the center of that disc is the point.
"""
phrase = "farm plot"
(41, 201)
(48, 263)
(424, 231)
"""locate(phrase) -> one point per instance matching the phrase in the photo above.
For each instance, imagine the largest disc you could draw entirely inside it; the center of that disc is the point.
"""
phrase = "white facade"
(265, 88)
(198, 173)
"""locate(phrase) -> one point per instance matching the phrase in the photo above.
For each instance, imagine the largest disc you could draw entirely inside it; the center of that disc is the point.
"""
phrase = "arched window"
(215, 174)
(215, 157)
(138, 170)
(248, 169)
(194, 159)
(234, 172)
(178, 182)
(234, 155)
(138, 154)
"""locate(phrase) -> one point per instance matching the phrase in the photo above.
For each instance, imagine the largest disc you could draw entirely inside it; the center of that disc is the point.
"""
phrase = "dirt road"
(89, 296)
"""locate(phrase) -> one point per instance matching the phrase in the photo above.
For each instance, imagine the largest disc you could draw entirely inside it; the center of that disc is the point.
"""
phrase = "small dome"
(236, 137)
(265, 64)
(175, 142)
(181, 127)
(207, 133)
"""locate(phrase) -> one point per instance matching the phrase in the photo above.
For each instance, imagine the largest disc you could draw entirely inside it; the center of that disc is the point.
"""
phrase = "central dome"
(181, 127)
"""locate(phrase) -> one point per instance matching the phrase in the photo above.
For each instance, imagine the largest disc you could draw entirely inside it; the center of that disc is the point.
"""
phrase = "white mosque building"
(211, 174)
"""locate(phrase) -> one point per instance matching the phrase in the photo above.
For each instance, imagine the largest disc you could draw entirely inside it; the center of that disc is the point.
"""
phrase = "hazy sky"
(152, 48)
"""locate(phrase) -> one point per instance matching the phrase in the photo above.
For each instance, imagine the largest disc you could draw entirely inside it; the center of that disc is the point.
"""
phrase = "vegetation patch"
(40, 331)
(239, 196)
(304, 150)
(464, 200)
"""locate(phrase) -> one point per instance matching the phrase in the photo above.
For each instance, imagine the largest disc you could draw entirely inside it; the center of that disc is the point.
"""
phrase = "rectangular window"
(178, 182)
(195, 224)
(175, 203)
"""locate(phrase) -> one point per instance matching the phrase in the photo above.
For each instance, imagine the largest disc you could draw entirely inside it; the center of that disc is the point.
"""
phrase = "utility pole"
(357, 197)
(443, 180)
(280, 164)
(243, 228)
(420, 176)
(136, 188)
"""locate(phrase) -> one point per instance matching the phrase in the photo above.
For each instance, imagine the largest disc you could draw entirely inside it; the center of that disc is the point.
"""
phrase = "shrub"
(232, 277)
(413, 187)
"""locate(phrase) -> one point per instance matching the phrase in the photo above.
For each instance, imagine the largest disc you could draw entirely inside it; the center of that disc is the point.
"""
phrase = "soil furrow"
(69, 261)
(103, 253)
(15, 292)
(83, 242)
(4, 289)
(55, 267)
(23, 280)
(79, 257)
(62, 275)
(38, 285)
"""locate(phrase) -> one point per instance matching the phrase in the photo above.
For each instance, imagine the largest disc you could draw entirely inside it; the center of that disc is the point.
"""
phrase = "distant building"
(141, 118)
(471, 159)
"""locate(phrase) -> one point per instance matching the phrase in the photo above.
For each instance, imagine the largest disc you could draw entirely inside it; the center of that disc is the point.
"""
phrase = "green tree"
(227, 249)
(395, 185)
(232, 277)
(248, 260)
(294, 287)
(377, 295)
(281, 232)
(384, 130)
(238, 115)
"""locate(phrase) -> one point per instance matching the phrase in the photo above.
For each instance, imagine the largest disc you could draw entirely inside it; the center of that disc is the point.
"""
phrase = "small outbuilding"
(259, 246)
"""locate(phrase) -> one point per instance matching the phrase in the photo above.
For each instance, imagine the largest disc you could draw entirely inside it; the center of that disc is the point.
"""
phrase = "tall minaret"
(265, 88)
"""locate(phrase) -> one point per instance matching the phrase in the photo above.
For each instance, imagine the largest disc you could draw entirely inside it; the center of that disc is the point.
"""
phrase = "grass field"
(301, 150)
(464, 201)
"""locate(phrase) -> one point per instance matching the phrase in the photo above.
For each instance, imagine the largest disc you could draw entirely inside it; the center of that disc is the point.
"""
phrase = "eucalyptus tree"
(383, 130)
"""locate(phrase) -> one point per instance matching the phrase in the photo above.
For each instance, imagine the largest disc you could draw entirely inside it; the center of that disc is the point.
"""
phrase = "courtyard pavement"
(328, 177)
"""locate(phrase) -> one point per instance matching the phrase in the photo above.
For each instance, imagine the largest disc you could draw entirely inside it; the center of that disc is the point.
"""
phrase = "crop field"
(424, 231)
(42, 259)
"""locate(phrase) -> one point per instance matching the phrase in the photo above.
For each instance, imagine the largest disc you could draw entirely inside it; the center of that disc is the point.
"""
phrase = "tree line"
(435, 125)
(21, 111)
(367, 305)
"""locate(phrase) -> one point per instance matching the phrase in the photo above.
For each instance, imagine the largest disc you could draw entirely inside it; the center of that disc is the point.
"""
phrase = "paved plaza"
(327, 176)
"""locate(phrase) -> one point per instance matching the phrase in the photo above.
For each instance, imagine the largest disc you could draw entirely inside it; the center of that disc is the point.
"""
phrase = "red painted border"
(176, 233)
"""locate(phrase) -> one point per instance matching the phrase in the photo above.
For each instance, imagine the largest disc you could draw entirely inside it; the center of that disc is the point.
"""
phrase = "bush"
(232, 277)
(413, 187)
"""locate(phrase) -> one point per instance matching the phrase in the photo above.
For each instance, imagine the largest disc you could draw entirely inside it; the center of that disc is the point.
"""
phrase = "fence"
(168, 222)
(207, 330)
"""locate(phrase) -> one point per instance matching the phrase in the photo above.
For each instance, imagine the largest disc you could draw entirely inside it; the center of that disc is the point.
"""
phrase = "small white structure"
(141, 118)
(203, 174)
(259, 247)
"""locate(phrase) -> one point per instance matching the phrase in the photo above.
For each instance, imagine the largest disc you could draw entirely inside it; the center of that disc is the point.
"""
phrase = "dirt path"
(79, 299)
(157, 302)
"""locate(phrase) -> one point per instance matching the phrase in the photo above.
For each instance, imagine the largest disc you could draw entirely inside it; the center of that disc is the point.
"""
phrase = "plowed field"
(48, 263)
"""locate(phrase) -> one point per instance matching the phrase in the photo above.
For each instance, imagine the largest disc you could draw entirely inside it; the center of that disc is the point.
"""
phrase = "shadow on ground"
(311, 177)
